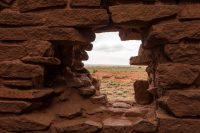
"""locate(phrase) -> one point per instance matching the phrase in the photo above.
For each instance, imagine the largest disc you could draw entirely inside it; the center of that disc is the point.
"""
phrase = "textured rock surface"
(182, 103)
(142, 96)
(176, 75)
(45, 88)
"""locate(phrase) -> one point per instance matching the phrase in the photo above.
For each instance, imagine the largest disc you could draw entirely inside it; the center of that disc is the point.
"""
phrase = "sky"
(108, 49)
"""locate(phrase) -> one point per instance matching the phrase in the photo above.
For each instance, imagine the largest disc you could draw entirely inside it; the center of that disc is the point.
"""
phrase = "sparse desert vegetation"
(117, 81)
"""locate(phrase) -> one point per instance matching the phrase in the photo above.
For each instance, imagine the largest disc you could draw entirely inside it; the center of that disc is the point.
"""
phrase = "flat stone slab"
(184, 103)
(132, 14)
(14, 106)
(117, 125)
(25, 123)
(6, 93)
(78, 126)
(169, 124)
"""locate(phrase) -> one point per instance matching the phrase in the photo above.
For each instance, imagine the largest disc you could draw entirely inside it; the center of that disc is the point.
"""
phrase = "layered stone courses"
(44, 87)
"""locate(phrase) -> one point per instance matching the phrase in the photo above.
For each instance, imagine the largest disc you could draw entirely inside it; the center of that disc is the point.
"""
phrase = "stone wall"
(44, 87)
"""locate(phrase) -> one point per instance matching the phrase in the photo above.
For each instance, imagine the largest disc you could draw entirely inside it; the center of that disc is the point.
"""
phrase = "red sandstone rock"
(141, 14)
(14, 106)
(9, 69)
(184, 52)
(41, 60)
(29, 5)
(183, 103)
(76, 17)
(6, 93)
(25, 123)
(19, 83)
(168, 124)
(171, 32)
(39, 48)
(144, 126)
(112, 125)
(176, 75)
(11, 52)
(19, 19)
(43, 33)
(189, 12)
(87, 91)
(121, 105)
(99, 99)
(78, 126)
(129, 34)
(142, 96)
(85, 3)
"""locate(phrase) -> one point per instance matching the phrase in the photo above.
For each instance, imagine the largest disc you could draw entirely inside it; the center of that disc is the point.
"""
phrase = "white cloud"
(110, 50)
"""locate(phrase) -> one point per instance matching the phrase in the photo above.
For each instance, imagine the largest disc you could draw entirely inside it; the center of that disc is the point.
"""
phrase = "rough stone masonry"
(44, 87)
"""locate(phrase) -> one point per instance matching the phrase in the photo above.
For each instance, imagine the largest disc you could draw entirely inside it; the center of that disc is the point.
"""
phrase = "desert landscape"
(117, 81)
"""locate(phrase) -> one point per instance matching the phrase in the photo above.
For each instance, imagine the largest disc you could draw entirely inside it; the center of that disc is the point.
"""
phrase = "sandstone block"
(87, 91)
(129, 34)
(14, 106)
(183, 103)
(78, 126)
(38, 48)
(43, 33)
(29, 5)
(19, 83)
(6, 93)
(140, 14)
(99, 99)
(144, 126)
(189, 12)
(176, 75)
(171, 32)
(184, 52)
(11, 52)
(76, 17)
(111, 125)
(142, 96)
(9, 69)
(85, 3)
(41, 60)
(25, 123)
(168, 124)
(19, 19)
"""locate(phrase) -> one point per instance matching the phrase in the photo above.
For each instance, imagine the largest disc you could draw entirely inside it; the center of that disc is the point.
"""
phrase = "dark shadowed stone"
(78, 126)
(174, 75)
(114, 125)
(184, 52)
(29, 5)
(140, 14)
(41, 60)
(168, 124)
(9, 69)
(129, 34)
(25, 123)
(14, 106)
(19, 19)
(142, 96)
(185, 103)
(85, 3)
(24, 94)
